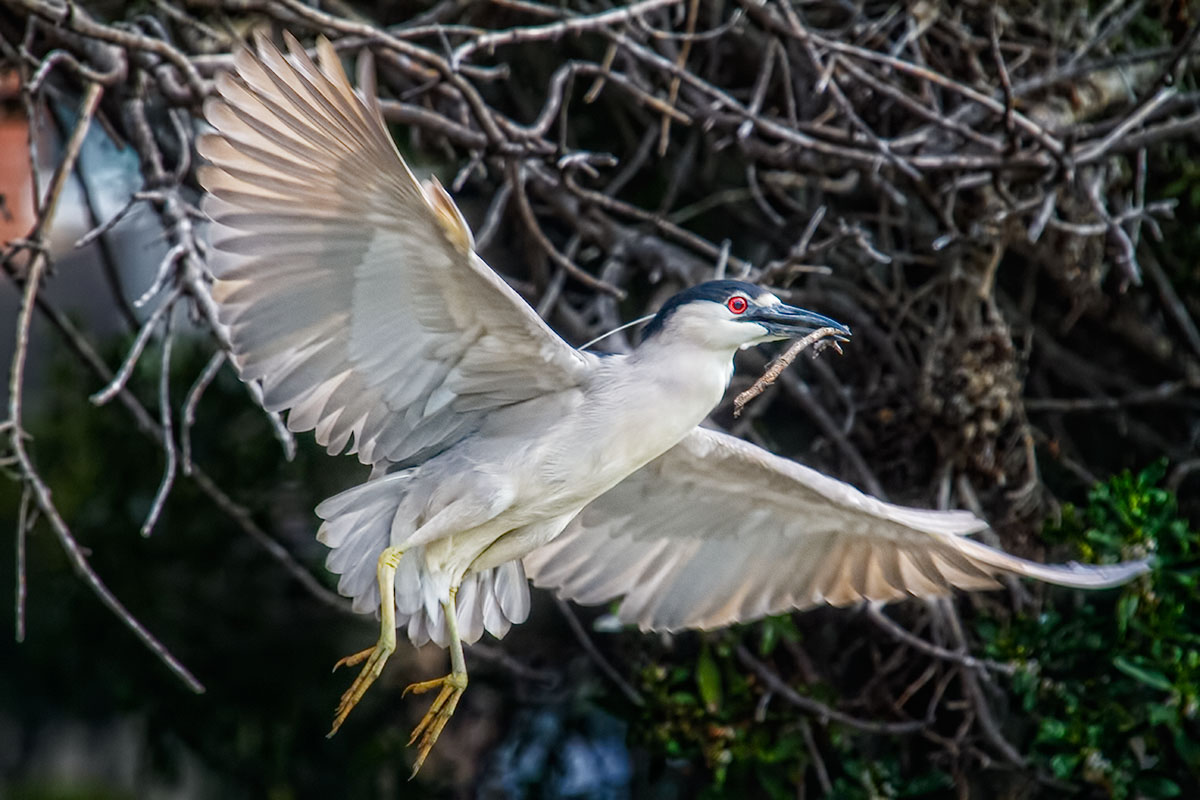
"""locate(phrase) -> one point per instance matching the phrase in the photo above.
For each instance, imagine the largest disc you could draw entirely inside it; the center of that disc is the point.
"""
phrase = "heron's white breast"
(557, 454)
(635, 409)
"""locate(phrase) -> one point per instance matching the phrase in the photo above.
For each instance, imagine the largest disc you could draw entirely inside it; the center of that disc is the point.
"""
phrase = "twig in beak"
(821, 338)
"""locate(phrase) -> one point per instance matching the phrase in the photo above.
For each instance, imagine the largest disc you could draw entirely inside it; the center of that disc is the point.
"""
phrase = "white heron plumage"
(353, 293)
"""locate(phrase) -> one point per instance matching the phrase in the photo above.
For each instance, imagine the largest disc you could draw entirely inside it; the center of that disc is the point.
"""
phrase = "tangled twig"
(819, 339)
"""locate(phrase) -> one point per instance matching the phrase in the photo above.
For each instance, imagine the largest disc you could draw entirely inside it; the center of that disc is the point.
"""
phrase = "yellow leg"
(451, 688)
(375, 656)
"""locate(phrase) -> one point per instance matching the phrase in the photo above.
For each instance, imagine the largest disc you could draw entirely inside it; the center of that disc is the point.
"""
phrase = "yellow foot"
(430, 726)
(375, 657)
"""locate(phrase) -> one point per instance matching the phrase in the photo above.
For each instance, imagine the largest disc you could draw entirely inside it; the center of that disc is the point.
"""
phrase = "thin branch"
(693, 11)
(497, 655)
(168, 431)
(190, 405)
(597, 657)
(555, 30)
(16, 386)
(822, 712)
(146, 424)
(516, 179)
(829, 336)
(76, 19)
(123, 374)
(970, 679)
(876, 615)
(1163, 393)
(24, 523)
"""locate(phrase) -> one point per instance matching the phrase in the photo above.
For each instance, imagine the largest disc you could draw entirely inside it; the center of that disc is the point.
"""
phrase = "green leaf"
(1052, 730)
(1127, 608)
(1157, 786)
(1063, 766)
(1175, 187)
(708, 680)
(1162, 714)
(926, 784)
(1151, 677)
(770, 638)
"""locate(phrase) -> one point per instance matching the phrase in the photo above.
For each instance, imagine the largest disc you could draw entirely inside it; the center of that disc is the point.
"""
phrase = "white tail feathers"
(492, 601)
(357, 528)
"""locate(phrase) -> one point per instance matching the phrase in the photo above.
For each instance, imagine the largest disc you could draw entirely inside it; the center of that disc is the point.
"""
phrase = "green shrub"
(1113, 682)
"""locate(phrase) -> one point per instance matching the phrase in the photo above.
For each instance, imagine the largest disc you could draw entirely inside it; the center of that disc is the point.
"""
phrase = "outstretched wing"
(717, 531)
(350, 290)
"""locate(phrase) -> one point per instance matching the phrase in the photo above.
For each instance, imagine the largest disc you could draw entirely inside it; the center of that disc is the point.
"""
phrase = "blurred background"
(1001, 199)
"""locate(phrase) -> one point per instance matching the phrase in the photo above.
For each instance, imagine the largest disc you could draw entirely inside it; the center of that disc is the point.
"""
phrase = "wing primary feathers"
(332, 262)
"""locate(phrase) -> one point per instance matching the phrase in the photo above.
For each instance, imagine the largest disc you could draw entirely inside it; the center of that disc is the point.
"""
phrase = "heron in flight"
(501, 454)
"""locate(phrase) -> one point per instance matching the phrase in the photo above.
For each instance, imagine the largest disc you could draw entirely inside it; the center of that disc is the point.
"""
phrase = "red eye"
(737, 305)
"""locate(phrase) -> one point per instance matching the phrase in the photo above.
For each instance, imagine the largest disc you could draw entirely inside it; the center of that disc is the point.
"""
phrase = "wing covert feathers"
(449, 217)
(718, 531)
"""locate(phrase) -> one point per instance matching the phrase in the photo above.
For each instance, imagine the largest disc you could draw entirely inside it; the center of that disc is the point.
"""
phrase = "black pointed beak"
(791, 322)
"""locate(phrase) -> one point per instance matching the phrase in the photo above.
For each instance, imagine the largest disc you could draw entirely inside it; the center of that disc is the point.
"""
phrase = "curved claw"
(375, 658)
(430, 727)
(351, 660)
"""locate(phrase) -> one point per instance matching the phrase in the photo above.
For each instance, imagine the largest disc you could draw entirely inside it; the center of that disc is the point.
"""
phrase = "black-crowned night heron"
(500, 452)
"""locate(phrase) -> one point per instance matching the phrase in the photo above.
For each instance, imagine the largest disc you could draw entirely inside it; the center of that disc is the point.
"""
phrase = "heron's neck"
(694, 374)
(643, 403)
